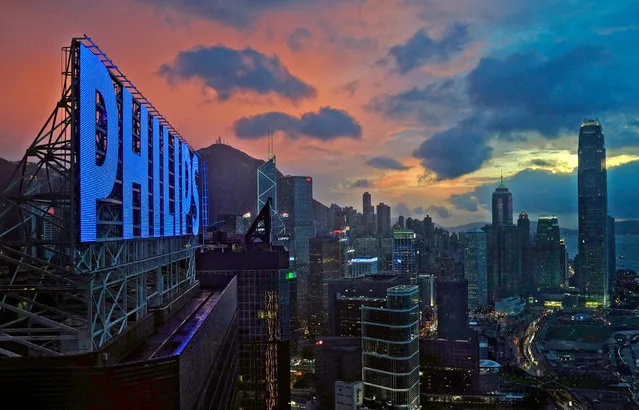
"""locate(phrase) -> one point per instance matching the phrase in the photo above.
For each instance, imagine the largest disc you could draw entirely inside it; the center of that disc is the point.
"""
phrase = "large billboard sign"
(136, 179)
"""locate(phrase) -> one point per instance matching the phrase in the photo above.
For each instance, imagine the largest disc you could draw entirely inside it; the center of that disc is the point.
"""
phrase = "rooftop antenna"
(502, 176)
(271, 155)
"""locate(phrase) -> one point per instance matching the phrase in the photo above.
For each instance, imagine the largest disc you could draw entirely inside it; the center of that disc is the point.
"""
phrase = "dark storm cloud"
(400, 209)
(422, 49)
(298, 38)
(427, 104)
(228, 71)
(360, 183)
(386, 163)
(326, 124)
(439, 211)
(456, 151)
(349, 88)
(531, 92)
(465, 202)
(237, 13)
(543, 192)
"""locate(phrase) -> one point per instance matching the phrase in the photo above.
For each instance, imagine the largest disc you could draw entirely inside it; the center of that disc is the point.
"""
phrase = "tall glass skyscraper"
(502, 206)
(476, 268)
(592, 261)
(390, 350)
(404, 253)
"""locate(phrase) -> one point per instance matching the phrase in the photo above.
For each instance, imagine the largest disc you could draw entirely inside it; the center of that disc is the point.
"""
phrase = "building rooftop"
(489, 364)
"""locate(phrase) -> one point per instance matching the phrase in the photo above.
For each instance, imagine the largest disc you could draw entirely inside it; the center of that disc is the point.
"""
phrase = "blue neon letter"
(168, 218)
(135, 168)
(196, 195)
(156, 178)
(96, 181)
(177, 198)
(187, 177)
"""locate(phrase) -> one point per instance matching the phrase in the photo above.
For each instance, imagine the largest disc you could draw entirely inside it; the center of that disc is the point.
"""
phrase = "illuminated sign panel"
(133, 173)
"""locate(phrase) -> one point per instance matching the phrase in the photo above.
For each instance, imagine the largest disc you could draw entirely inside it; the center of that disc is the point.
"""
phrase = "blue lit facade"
(362, 266)
(116, 200)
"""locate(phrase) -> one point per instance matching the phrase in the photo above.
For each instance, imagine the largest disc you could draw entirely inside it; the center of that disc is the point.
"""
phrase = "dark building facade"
(449, 366)
(549, 272)
(476, 268)
(523, 224)
(612, 254)
(383, 219)
(592, 182)
(452, 308)
(336, 359)
(502, 206)
(296, 206)
(326, 256)
(263, 300)
(188, 361)
(346, 296)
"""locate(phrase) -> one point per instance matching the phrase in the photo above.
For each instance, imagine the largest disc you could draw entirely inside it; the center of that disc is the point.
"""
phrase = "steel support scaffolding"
(59, 296)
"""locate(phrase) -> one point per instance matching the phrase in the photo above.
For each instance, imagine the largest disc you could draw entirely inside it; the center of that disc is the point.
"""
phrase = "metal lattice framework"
(57, 295)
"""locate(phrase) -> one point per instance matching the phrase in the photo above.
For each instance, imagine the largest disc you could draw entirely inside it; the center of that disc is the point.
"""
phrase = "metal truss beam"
(57, 295)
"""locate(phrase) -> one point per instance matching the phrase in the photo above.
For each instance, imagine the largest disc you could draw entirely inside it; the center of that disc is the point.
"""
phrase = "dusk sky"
(420, 102)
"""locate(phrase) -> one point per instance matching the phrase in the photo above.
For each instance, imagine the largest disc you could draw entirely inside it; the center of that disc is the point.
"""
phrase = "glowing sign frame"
(137, 178)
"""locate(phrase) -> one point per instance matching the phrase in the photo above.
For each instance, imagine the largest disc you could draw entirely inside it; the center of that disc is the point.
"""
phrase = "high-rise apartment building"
(390, 350)
(592, 260)
(369, 221)
(476, 268)
(452, 308)
(383, 219)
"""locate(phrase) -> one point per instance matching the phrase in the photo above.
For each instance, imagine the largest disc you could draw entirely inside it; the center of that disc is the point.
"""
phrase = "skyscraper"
(504, 244)
(592, 261)
(267, 189)
(612, 255)
(296, 205)
(368, 212)
(523, 224)
(390, 350)
(404, 253)
(326, 260)
(383, 219)
(452, 308)
(502, 206)
(476, 268)
(549, 273)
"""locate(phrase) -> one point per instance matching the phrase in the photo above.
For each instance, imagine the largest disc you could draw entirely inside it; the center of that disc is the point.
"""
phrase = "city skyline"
(399, 95)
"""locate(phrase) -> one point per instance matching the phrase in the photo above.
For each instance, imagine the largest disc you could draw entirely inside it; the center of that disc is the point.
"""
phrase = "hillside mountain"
(232, 179)
(533, 228)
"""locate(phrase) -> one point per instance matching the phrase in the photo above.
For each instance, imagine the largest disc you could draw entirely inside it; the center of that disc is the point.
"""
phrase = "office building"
(592, 260)
(452, 308)
(326, 256)
(383, 219)
(346, 296)
(337, 359)
(549, 272)
(390, 350)
(362, 266)
(449, 366)
(426, 284)
(369, 221)
(502, 206)
(295, 201)
(504, 249)
(267, 190)
(523, 224)
(404, 253)
(476, 268)
(263, 300)
(349, 395)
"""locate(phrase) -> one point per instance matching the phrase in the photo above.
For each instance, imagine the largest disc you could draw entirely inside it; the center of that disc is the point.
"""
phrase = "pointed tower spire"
(502, 176)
